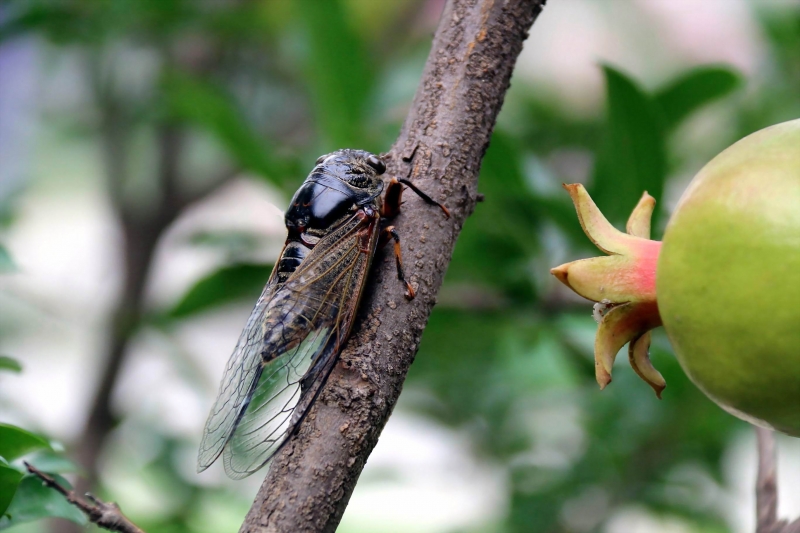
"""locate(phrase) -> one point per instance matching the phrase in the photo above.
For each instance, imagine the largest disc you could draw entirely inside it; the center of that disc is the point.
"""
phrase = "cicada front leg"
(391, 234)
(390, 208)
(394, 195)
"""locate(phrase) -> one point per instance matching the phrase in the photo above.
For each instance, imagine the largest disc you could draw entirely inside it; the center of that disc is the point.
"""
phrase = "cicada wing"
(303, 327)
(269, 416)
(241, 375)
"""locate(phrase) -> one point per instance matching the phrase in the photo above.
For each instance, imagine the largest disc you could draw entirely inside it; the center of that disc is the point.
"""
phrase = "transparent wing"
(241, 374)
(268, 418)
(299, 334)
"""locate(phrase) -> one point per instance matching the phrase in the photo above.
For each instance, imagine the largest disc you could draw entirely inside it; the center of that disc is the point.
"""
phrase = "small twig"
(767, 488)
(766, 482)
(106, 515)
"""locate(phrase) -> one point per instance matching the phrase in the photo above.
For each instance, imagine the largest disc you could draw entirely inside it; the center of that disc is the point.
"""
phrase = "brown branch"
(106, 515)
(440, 148)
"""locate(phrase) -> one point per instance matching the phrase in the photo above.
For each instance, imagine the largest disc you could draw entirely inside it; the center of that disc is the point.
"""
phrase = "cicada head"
(340, 183)
(359, 169)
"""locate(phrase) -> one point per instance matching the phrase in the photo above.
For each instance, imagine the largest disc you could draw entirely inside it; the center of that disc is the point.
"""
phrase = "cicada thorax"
(323, 287)
(341, 185)
(335, 210)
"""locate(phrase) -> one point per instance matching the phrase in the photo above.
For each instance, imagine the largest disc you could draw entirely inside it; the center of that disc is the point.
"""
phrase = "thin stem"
(767, 488)
(106, 515)
(766, 482)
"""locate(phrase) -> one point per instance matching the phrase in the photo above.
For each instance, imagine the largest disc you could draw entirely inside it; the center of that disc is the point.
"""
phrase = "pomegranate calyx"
(622, 283)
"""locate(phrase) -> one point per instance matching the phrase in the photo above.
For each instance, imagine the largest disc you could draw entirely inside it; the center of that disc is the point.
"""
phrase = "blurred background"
(149, 147)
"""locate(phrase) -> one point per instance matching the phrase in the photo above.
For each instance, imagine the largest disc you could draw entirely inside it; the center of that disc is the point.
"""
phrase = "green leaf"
(6, 263)
(226, 285)
(632, 158)
(9, 480)
(12, 365)
(33, 501)
(16, 442)
(337, 71)
(694, 89)
(211, 108)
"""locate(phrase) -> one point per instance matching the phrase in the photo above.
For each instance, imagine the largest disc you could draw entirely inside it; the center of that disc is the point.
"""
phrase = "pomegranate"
(725, 282)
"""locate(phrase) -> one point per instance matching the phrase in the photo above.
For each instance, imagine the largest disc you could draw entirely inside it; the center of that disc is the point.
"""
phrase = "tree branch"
(440, 148)
(106, 515)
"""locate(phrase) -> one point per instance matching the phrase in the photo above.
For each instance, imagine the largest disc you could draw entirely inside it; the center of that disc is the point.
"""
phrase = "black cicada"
(301, 321)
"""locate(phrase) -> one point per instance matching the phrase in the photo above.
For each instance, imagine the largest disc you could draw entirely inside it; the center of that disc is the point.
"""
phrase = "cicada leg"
(391, 234)
(394, 195)
(390, 209)
(392, 200)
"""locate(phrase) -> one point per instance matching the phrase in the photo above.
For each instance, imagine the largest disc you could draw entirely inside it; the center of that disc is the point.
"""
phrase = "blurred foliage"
(23, 497)
(6, 263)
(9, 481)
(206, 106)
(10, 365)
(632, 157)
(504, 371)
(16, 442)
(506, 358)
(689, 92)
(229, 284)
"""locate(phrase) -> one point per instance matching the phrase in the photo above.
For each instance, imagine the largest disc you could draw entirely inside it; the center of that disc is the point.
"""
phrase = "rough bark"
(440, 148)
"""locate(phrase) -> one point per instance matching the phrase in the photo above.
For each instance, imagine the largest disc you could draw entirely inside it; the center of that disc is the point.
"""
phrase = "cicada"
(293, 338)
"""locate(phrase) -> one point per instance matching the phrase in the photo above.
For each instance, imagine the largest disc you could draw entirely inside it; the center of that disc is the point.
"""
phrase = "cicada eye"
(320, 159)
(377, 164)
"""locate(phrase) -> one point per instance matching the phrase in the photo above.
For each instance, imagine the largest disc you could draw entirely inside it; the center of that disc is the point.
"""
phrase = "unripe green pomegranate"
(725, 283)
